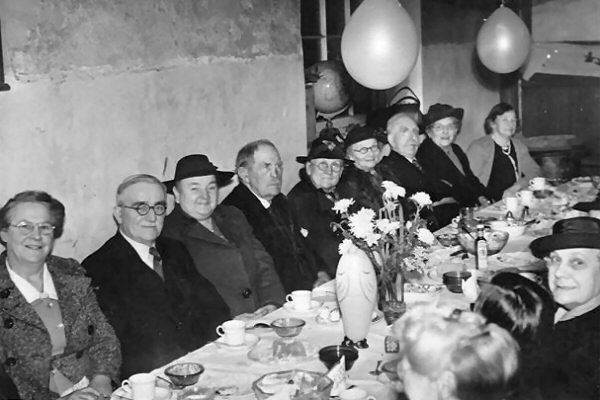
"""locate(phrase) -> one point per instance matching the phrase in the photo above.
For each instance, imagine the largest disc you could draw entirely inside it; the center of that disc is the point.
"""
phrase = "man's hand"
(322, 277)
(259, 313)
(484, 201)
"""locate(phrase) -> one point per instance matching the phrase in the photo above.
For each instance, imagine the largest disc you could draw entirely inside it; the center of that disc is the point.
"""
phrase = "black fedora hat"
(440, 111)
(197, 165)
(323, 148)
(570, 233)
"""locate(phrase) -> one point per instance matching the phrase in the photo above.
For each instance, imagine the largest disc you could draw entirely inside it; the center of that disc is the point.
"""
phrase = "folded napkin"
(338, 375)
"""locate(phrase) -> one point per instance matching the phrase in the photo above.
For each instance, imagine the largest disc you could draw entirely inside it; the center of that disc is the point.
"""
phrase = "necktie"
(157, 262)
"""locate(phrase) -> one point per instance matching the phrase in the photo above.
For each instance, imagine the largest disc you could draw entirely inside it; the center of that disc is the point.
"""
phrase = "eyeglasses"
(27, 228)
(323, 166)
(144, 208)
(439, 128)
(365, 150)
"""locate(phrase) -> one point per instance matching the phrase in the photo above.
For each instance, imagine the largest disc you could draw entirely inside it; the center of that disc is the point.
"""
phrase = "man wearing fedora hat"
(220, 239)
(445, 163)
(258, 196)
(572, 253)
(147, 285)
(313, 197)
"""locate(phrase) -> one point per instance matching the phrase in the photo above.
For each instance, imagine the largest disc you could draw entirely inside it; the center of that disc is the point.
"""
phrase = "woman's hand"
(445, 200)
(101, 383)
(322, 277)
(484, 201)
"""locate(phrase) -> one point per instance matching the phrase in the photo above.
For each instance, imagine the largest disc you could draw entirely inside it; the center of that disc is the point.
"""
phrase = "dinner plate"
(314, 307)
(250, 341)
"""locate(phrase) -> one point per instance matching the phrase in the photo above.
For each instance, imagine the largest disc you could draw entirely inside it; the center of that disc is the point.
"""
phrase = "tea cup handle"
(126, 385)
(220, 331)
(370, 398)
(289, 297)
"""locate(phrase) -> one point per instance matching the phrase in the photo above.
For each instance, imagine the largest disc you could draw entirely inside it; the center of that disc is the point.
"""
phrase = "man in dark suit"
(259, 197)
(147, 286)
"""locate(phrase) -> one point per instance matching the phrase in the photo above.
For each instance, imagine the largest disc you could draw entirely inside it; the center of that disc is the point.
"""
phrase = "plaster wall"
(103, 89)
(565, 20)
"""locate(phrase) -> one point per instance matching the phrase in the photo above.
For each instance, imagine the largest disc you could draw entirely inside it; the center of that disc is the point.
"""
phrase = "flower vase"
(391, 296)
(356, 288)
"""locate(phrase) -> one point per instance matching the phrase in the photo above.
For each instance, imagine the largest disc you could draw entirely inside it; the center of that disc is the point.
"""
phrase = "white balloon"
(380, 44)
(503, 41)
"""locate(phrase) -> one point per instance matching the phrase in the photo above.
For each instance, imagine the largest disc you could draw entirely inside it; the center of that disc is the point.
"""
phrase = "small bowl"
(496, 240)
(311, 385)
(197, 393)
(288, 327)
(447, 239)
(330, 355)
(453, 280)
(184, 374)
(514, 229)
(390, 368)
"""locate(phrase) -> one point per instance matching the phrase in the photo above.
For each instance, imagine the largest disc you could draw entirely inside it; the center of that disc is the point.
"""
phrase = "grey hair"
(246, 154)
(133, 179)
(397, 116)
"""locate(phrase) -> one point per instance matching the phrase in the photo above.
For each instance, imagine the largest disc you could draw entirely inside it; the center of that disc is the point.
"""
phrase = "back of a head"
(520, 306)
(436, 341)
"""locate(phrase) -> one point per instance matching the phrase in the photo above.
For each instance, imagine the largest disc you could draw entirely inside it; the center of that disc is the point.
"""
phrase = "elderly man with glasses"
(313, 197)
(147, 286)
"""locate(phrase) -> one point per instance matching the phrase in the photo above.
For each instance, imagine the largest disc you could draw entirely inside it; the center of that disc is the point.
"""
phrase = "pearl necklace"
(506, 150)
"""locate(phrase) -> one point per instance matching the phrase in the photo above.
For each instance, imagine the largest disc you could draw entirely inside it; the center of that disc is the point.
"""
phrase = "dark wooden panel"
(561, 104)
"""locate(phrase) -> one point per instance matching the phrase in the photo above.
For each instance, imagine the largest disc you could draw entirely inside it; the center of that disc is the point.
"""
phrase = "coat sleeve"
(105, 350)
(529, 168)
(477, 156)
(269, 287)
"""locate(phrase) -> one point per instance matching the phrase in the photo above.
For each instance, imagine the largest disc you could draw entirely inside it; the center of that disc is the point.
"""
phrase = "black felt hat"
(323, 148)
(440, 111)
(197, 165)
(570, 233)
(360, 133)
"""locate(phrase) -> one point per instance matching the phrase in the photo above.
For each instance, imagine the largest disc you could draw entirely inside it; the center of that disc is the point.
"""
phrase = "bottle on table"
(481, 249)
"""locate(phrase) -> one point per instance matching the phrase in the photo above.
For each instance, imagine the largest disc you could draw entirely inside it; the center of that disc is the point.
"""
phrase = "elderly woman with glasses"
(500, 161)
(362, 179)
(454, 355)
(444, 162)
(313, 197)
(55, 340)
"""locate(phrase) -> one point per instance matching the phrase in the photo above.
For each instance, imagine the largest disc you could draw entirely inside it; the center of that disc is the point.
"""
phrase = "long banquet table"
(226, 367)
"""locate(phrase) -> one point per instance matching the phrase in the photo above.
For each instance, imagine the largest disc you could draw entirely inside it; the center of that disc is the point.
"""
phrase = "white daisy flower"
(421, 198)
(425, 236)
(341, 206)
(392, 191)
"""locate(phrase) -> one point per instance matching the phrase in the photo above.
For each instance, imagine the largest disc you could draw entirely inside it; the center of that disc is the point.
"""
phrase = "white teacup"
(355, 394)
(141, 386)
(300, 299)
(162, 393)
(233, 332)
(512, 205)
(526, 197)
(537, 183)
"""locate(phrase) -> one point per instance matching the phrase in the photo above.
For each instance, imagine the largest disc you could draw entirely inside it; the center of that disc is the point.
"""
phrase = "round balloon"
(503, 41)
(380, 44)
(332, 88)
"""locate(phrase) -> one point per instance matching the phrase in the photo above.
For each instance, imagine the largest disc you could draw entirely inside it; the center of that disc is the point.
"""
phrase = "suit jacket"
(404, 173)
(25, 347)
(314, 211)
(277, 229)
(156, 321)
(438, 167)
(239, 267)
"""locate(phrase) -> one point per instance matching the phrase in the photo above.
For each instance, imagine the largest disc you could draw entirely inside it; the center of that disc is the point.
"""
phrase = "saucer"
(314, 307)
(249, 341)
(263, 353)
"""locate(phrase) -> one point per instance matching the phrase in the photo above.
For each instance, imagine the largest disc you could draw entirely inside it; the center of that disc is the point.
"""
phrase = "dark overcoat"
(438, 167)
(239, 267)
(156, 321)
(278, 231)
(25, 346)
(313, 207)
(361, 186)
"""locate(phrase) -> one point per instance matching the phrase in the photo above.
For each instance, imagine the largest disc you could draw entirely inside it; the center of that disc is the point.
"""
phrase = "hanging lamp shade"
(380, 44)
(503, 42)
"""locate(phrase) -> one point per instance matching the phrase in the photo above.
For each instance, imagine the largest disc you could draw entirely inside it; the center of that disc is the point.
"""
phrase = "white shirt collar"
(141, 249)
(265, 203)
(28, 291)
